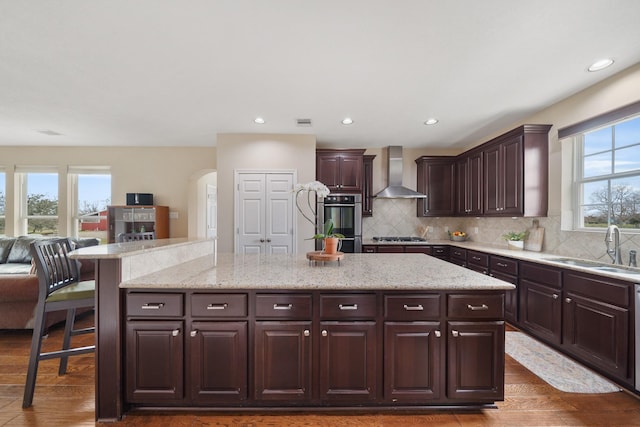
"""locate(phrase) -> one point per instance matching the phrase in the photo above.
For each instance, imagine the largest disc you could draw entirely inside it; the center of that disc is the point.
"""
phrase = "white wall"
(261, 151)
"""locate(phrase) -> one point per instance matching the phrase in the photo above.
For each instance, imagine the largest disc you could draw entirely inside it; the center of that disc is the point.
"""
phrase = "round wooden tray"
(321, 256)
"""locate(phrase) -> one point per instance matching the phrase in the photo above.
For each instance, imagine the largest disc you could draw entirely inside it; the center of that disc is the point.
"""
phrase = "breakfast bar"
(180, 326)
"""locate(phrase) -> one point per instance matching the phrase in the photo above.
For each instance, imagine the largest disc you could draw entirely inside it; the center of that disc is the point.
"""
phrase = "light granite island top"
(295, 272)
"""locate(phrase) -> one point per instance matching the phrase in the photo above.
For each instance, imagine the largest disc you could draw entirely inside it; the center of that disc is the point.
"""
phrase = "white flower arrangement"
(316, 187)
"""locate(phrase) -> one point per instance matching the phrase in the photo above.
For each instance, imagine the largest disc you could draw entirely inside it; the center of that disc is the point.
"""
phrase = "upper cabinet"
(513, 162)
(469, 183)
(436, 179)
(367, 185)
(340, 170)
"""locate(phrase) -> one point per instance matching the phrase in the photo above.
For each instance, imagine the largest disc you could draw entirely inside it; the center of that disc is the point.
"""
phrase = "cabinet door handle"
(306, 332)
(153, 306)
(482, 307)
(418, 307)
(437, 334)
(268, 240)
(555, 296)
(475, 258)
(324, 333)
(282, 306)
(348, 306)
(193, 333)
(261, 240)
(217, 306)
(175, 332)
(568, 300)
(455, 333)
(500, 264)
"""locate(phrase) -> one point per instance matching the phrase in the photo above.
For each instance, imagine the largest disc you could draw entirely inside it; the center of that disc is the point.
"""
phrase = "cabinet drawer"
(539, 273)
(411, 307)
(154, 304)
(604, 289)
(478, 258)
(459, 253)
(219, 305)
(347, 306)
(283, 306)
(440, 251)
(504, 265)
(475, 306)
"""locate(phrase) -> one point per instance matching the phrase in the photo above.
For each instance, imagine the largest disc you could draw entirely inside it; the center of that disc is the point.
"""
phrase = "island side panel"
(109, 388)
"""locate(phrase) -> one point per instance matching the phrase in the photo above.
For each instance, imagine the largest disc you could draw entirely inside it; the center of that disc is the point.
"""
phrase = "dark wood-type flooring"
(69, 401)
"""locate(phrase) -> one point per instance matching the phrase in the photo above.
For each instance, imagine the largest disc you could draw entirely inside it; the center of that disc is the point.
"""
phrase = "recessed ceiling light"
(347, 121)
(600, 65)
(49, 132)
(431, 121)
(259, 120)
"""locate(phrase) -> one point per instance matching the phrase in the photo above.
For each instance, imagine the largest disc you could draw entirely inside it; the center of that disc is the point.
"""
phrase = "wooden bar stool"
(60, 289)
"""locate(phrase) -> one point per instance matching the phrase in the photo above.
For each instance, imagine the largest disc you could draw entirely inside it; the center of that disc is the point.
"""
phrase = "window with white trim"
(39, 200)
(91, 194)
(607, 178)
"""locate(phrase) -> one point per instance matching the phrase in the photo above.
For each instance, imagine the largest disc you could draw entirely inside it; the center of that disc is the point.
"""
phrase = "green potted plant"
(331, 240)
(515, 240)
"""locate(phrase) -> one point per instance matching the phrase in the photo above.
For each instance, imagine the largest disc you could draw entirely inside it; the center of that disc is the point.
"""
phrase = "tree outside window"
(42, 203)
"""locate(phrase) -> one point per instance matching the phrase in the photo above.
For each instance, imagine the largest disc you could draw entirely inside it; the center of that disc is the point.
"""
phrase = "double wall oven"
(346, 212)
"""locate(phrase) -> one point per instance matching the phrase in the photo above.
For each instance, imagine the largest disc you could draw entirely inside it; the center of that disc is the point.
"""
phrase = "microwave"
(143, 199)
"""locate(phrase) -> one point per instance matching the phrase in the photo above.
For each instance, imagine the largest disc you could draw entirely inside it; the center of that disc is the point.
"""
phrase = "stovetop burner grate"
(399, 239)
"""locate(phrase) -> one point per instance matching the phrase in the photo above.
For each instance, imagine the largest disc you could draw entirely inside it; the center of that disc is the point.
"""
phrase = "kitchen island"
(378, 331)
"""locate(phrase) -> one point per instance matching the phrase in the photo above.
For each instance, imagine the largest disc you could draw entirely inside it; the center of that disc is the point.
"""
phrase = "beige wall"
(261, 152)
(163, 171)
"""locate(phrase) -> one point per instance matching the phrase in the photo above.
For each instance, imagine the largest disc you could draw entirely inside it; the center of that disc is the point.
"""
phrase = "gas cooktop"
(399, 239)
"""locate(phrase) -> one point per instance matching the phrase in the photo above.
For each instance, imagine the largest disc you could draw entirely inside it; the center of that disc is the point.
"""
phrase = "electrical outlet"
(173, 214)
(430, 229)
(475, 230)
(446, 228)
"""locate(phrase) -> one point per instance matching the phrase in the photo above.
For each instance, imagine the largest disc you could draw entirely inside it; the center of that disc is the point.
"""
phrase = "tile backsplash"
(397, 217)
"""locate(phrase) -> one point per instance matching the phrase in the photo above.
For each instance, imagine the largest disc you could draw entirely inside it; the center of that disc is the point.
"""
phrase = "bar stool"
(60, 289)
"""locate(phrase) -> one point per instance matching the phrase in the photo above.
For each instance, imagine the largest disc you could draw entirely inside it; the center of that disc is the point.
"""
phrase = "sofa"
(19, 281)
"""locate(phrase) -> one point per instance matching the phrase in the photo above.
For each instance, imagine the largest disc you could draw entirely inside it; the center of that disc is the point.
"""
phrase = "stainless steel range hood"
(395, 189)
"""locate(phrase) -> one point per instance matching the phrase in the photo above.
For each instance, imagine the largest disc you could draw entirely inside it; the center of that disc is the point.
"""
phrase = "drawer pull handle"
(282, 306)
(217, 306)
(193, 333)
(175, 332)
(153, 306)
(418, 307)
(455, 333)
(475, 258)
(482, 307)
(500, 264)
(348, 306)
(437, 333)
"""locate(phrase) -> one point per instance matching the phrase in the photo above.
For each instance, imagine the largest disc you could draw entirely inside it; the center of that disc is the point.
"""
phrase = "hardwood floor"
(69, 401)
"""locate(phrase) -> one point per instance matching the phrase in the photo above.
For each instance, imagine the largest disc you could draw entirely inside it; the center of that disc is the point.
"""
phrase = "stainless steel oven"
(346, 212)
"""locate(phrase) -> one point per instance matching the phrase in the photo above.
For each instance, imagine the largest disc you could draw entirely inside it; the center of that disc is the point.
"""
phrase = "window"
(40, 202)
(608, 175)
(3, 198)
(92, 194)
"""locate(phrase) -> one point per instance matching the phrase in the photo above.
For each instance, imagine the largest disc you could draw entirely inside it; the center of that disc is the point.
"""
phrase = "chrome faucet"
(613, 236)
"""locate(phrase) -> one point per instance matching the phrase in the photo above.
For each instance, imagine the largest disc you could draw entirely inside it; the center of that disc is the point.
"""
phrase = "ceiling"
(177, 73)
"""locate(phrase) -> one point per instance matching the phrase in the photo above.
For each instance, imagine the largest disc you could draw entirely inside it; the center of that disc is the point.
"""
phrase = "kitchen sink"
(594, 265)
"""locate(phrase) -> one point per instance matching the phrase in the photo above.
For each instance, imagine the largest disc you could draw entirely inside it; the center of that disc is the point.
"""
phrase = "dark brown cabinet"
(154, 358)
(513, 162)
(478, 261)
(506, 269)
(367, 185)
(436, 179)
(340, 170)
(469, 183)
(540, 301)
(397, 249)
(458, 256)
(596, 322)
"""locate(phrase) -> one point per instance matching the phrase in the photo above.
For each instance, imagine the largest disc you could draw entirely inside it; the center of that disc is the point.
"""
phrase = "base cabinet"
(476, 364)
(313, 349)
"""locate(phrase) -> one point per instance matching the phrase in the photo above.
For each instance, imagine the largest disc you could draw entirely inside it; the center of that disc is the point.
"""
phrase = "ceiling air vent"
(303, 122)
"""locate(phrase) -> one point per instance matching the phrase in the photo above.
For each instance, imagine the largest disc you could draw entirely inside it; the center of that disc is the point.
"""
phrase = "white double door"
(264, 213)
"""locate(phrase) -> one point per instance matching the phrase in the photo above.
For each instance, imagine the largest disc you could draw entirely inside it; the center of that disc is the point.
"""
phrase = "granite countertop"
(294, 272)
(119, 250)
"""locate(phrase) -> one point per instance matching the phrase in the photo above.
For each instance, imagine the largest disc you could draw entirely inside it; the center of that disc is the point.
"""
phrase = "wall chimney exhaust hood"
(395, 189)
